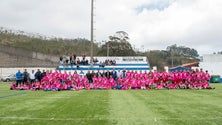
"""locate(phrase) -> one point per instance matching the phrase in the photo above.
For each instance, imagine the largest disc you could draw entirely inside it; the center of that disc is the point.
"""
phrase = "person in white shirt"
(119, 74)
(32, 77)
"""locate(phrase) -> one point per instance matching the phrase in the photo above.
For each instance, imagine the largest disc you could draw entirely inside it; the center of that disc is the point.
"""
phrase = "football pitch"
(113, 107)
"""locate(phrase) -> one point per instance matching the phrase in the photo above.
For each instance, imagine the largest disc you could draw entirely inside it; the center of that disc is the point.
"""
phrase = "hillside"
(54, 46)
(35, 43)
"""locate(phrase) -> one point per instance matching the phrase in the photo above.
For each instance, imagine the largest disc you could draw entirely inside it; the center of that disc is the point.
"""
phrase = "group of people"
(28, 78)
(107, 62)
(122, 80)
(75, 61)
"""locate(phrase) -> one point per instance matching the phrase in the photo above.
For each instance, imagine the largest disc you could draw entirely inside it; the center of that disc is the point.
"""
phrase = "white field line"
(47, 97)
(102, 118)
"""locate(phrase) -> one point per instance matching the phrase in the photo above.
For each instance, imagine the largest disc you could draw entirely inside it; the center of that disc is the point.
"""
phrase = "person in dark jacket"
(38, 75)
(25, 76)
(43, 74)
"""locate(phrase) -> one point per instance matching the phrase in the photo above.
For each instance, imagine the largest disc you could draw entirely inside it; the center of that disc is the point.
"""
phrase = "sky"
(154, 24)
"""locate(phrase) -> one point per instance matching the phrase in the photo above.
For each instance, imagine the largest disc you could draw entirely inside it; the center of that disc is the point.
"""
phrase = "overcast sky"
(154, 24)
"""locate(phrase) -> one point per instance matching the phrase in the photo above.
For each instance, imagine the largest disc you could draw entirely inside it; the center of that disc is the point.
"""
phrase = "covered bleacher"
(118, 63)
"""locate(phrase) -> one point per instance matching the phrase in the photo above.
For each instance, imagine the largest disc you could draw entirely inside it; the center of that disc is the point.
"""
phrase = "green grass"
(155, 107)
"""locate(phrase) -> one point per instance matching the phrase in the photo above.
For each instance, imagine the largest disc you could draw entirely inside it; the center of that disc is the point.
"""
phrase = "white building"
(212, 63)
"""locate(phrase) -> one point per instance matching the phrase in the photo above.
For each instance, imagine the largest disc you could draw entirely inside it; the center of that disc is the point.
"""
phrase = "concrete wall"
(29, 54)
(17, 57)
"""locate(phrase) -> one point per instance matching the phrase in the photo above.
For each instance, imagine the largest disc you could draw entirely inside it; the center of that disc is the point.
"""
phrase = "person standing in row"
(25, 76)
(38, 75)
(18, 78)
(32, 77)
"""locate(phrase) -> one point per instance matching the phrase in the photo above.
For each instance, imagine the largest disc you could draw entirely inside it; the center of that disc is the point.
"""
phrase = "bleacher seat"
(127, 63)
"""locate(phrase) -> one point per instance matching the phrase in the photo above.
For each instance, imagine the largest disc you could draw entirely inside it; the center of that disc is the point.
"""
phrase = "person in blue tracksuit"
(18, 77)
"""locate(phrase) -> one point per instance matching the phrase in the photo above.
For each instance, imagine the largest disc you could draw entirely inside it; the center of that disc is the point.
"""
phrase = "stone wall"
(17, 57)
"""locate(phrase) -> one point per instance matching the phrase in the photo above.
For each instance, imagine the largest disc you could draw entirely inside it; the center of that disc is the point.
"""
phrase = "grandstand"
(121, 63)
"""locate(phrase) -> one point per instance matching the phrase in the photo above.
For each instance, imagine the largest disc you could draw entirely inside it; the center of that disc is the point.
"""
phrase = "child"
(13, 86)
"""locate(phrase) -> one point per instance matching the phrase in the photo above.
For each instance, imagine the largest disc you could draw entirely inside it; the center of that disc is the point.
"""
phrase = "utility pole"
(107, 49)
(172, 52)
(92, 39)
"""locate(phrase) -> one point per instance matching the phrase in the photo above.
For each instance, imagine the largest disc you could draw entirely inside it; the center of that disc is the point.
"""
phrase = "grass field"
(95, 107)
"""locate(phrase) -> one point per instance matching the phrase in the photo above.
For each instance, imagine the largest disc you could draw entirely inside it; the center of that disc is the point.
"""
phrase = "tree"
(182, 51)
(117, 45)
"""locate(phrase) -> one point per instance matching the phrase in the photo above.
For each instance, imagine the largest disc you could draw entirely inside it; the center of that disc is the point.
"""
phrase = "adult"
(107, 74)
(25, 76)
(32, 77)
(124, 73)
(98, 73)
(18, 78)
(114, 74)
(119, 74)
(89, 77)
(43, 74)
(38, 75)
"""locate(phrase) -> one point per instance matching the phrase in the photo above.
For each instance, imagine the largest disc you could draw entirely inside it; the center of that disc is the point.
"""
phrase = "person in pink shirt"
(134, 84)
(112, 82)
(159, 85)
(143, 83)
(37, 85)
(207, 76)
(13, 86)
(155, 77)
(128, 73)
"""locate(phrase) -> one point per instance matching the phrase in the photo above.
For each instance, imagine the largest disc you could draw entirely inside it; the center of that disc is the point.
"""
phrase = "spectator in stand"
(83, 61)
(95, 60)
(106, 62)
(110, 62)
(67, 62)
(32, 77)
(71, 60)
(38, 75)
(64, 59)
(78, 61)
(18, 78)
(25, 76)
(114, 62)
(83, 56)
(60, 61)
(101, 64)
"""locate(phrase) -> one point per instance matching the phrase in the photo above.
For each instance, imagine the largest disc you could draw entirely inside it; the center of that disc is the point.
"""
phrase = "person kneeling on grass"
(37, 85)
(13, 86)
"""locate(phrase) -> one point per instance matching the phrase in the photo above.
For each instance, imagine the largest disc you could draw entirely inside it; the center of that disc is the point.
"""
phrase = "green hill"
(54, 46)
